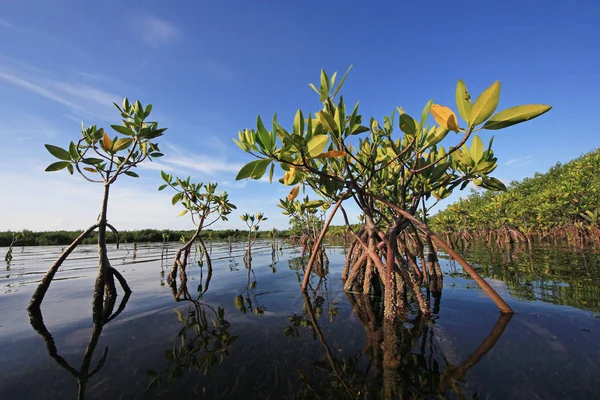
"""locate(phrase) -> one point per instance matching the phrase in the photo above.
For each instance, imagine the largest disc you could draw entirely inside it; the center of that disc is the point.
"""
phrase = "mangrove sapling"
(252, 222)
(205, 206)
(307, 220)
(388, 176)
(98, 158)
(9, 254)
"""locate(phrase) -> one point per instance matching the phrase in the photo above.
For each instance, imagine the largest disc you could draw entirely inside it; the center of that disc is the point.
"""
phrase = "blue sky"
(210, 67)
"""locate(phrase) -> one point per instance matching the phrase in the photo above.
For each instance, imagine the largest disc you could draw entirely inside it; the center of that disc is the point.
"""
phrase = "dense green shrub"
(566, 196)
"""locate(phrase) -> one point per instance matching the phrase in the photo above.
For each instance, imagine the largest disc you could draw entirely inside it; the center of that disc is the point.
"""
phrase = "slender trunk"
(103, 262)
(40, 292)
(317, 244)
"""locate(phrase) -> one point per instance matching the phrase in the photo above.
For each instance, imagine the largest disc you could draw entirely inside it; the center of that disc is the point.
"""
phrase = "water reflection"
(203, 340)
(83, 374)
(402, 361)
(557, 276)
(328, 344)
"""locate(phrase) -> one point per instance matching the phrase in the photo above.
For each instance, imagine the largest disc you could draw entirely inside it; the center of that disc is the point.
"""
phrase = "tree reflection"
(398, 361)
(549, 274)
(85, 371)
(203, 340)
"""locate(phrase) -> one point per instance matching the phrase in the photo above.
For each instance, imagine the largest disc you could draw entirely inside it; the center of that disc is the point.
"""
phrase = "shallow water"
(262, 339)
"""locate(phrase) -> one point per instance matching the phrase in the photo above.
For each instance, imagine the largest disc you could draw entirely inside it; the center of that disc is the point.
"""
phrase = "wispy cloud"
(517, 162)
(233, 184)
(12, 27)
(82, 100)
(159, 166)
(178, 159)
(157, 32)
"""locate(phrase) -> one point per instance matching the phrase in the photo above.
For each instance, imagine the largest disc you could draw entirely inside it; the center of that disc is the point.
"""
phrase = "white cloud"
(71, 203)
(10, 26)
(194, 162)
(157, 32)
(82, 100)
(517, 162)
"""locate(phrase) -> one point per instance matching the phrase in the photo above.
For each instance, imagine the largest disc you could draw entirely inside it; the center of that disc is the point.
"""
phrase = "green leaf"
(476, 150)
(254, 169)
(314, 88)
(425, 113)
(91, 161)
(132, 174)
(317, 144)
(73, 151)
(176, 198)
(122, 144)
(122, 130)
(324, 84)
(328, 122)
(407, 124)
(313, 204)
(485, 105)
(358, 129)
(162, 187)
(339, 86)
(494, 184)
(263, 137)
(516, 115)
(299, 123)
(155, 133)
(271, 173)
(165, 176)
(58, 152)
(57, 166)
(463, 100)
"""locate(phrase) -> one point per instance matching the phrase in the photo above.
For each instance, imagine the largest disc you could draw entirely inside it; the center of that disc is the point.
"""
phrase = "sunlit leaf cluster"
(100, 156)
(402, 159)
(199, 199)
(566, 196)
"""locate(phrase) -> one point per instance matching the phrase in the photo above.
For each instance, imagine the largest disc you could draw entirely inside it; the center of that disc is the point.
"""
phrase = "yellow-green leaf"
(485, 105)
(516, 115)
(122, 144)
(445, 117)
(317, 144)
(476, 150)
(463, 100)
(182, 213)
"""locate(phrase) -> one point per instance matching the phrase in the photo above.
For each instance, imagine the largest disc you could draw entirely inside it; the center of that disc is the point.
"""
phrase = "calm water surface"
(253, 335)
